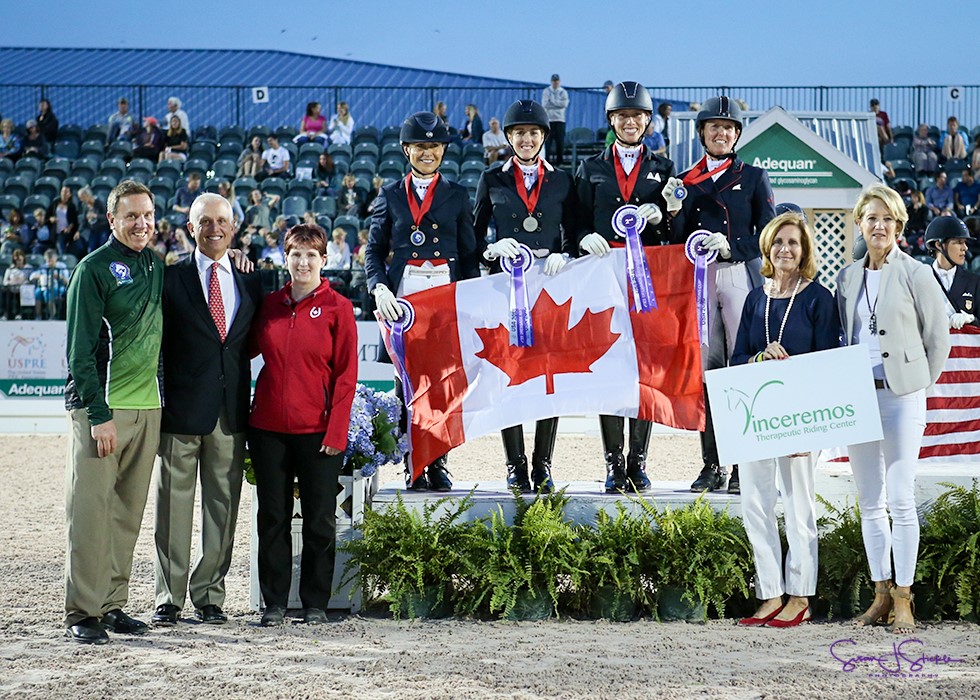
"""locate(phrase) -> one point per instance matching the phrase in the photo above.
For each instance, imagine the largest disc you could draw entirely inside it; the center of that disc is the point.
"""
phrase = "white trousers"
(762, 481)
(728, 286)
(884, 472)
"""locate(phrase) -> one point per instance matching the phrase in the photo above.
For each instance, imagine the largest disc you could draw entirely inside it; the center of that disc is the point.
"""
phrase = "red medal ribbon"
(697, 174)
(626, 182)
(418, 212)
(530, 199)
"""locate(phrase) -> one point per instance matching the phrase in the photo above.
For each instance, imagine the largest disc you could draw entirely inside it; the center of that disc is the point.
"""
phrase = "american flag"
(953, 403)
(952, 406)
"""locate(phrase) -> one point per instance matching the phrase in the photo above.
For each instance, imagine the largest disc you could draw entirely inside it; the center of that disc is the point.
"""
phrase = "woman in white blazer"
(891, 304)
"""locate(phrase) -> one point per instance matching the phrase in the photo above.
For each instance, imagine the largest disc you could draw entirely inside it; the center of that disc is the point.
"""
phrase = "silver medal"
(530, 224)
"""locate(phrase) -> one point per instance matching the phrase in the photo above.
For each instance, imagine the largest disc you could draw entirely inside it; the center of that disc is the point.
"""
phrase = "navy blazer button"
(881, 332)
(884, 354)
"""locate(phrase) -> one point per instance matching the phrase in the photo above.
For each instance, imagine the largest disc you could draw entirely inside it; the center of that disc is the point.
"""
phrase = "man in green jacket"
(114, 332)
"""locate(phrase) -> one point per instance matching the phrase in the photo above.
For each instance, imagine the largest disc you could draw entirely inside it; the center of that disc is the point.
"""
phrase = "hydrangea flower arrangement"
(374, 437)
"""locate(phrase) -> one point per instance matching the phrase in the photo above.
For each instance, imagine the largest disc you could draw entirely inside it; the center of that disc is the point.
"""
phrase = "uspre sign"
(806, 403)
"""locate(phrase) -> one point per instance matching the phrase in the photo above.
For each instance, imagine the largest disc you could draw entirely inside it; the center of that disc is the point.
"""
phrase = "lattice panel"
(830, 228)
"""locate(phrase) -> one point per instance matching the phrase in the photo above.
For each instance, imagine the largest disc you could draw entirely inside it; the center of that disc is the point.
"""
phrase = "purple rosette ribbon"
(701, 257)
(626, 222)
(521, 329)
(396, 346)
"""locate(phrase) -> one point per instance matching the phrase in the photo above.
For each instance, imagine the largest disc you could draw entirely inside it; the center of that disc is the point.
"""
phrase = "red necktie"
(215, 303)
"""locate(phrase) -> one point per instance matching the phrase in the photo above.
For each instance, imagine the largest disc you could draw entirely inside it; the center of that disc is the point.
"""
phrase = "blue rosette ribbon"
(521, 329)
(700, 257)
(628, 224)
(396, 346)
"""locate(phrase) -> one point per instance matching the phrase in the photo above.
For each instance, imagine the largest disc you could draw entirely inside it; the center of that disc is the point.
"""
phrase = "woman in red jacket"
(298, 428)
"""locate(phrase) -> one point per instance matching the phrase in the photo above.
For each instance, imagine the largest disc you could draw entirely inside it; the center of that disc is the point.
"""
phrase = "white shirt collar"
(203, 262)
(510, 163)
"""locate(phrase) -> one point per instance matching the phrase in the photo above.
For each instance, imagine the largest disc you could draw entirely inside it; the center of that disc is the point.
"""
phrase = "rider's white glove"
(650, 212)
(388, 306)
(673, 204)
(504, 248)
(960, 319)
(554, 263)
(594, 244)
(719, 242)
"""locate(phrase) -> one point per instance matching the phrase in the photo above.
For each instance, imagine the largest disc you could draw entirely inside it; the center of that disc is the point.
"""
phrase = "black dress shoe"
(274, 616)
(211, 615)
(314, 616)
(420, 484)
(119, 622)
(734, 486)
(88, 631)
(166, 615)
(711, 478)
(615, 472)
(439, 476)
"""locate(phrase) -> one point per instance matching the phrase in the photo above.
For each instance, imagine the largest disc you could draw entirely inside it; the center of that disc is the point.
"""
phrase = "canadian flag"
(591, 353)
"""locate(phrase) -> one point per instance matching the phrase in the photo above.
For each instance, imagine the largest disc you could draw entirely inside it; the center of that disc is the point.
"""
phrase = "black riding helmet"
(424, 127)
(527, 112)
(629, 95)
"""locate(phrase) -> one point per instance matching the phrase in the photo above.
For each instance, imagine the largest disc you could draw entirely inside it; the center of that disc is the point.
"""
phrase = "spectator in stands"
(975, 157)
(351, 197)
(883, 123)
(42, 236)
(250, 159)
(660, 123)
(341, 125)
(312, 127)
(273, 253)
(259, 212)
(919, 216)
(952, 143)
(182, 246)
(925, 151)
(608, 86)
(51, 280)
(338, 252)
(47, 123)
(495, 146)
(186, 194)
(966, 194)
(93, 223)
(34, 143)
(16, 233)
(473, 131)
(555, 101)
(122, 124)
(440, 111)
(939, 198)
(248, 250)
(325, 170)
(367, 209)
(357, 260)
(227, 190)
(62, 217)
(654, 140)
(149, 141)
(9, 141)
(17, 274)
(275, 160)
(175, 142)
(174, 110)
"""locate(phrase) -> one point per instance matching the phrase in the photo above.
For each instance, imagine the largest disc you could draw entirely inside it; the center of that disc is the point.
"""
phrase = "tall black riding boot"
(438, 475)
(712, 476)
(611, 429)
(516, 459)
(544, 445)
(636, 463)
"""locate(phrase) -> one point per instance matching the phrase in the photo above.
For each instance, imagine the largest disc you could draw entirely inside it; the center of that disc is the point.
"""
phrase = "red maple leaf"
(557, 348)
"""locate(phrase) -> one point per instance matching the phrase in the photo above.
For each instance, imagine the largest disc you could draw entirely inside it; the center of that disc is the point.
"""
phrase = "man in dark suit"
(733, 201)
(947, 239)
(208, 307)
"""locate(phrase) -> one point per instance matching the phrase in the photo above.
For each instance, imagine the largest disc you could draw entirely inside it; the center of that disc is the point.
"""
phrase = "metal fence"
(221, 106)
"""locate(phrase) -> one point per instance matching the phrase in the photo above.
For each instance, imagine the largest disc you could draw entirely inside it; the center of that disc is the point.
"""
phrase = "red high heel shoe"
(759, 621)
(804, 616)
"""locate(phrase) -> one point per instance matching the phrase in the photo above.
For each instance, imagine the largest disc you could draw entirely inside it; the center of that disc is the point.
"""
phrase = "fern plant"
(410, 556)
(613, 584)
(700, 550)
(843, 577)
(949, 552)
(526, 563)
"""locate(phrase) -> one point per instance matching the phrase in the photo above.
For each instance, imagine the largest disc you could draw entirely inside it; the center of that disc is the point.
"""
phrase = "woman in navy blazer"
(891, 304)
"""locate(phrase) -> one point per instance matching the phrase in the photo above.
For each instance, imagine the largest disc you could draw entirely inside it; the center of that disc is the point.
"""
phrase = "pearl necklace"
(782, 325)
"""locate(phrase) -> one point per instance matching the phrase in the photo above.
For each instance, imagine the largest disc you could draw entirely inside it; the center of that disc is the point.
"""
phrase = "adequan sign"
(792, 163)
(806, 403)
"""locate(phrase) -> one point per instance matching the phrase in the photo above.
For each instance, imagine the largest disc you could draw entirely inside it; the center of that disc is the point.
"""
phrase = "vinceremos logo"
(767, 424)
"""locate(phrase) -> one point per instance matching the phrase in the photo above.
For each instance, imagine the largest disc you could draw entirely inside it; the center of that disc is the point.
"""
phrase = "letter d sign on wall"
(260, 95)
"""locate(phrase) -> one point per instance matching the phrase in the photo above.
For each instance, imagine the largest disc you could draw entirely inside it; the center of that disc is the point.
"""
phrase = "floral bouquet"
(374, 437)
